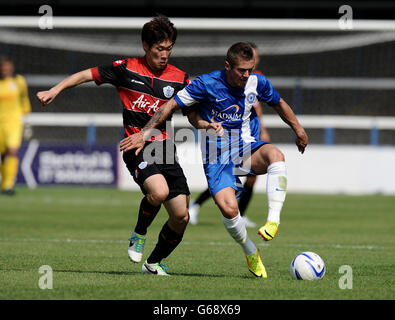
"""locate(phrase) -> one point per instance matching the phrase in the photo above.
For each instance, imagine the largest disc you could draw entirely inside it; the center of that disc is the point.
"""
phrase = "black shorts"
(158, 157)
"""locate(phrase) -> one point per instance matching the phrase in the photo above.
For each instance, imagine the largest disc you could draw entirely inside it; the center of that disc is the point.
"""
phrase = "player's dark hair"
(239, 51)
(159, 29)
(252, 44)
(5, 59)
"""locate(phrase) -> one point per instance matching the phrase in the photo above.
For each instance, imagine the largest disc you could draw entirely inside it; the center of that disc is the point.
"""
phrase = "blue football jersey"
(220, 102)
(233, 107)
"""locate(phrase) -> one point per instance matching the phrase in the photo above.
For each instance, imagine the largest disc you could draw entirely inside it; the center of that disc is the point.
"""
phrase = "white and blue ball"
(307, 266)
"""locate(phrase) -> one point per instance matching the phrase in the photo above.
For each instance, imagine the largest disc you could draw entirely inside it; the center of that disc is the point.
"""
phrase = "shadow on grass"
(200, 275)
(118, 273)
(133, 273)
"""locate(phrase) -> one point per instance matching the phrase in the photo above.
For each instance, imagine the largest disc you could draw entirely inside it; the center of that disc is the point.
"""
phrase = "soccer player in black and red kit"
(144, 84)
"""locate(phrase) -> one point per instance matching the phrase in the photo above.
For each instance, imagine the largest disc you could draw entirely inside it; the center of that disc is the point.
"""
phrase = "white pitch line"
(48, 200)
(67, 240)
(209, 243)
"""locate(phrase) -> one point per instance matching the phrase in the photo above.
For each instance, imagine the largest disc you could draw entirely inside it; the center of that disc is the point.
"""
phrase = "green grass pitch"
(81, 233)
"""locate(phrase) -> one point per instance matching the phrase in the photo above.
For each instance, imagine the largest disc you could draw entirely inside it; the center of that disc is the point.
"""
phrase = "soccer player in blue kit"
(225, 100)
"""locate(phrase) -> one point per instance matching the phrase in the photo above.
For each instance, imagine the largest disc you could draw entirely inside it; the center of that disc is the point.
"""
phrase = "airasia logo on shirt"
(142, 104)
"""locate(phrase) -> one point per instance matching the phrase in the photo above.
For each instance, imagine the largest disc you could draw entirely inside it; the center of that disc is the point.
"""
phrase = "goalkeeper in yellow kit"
(14, 103)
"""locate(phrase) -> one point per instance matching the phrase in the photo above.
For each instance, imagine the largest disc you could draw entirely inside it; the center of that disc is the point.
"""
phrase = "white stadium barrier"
(345, 169)
(321, 169)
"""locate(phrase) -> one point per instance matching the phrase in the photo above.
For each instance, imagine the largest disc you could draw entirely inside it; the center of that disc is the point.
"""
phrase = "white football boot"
(248, 222)
(136, 247)
(156, 269)
(193, 213)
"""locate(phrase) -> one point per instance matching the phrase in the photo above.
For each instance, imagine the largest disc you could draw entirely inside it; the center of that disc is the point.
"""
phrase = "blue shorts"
(220, 176)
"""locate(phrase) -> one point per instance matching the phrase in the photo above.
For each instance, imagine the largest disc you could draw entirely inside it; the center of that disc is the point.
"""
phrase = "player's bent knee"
(229, 211)
(183, 220)
(280, 156)
(158, 197)
(179, 222)
(275, 155)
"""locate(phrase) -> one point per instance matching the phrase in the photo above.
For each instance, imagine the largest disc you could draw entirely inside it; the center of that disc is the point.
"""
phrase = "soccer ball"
(307, 266)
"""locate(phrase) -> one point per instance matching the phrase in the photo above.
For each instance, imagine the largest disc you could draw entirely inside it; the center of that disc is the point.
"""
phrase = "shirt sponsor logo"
(143, 104)
(136, 81)
(226, 114)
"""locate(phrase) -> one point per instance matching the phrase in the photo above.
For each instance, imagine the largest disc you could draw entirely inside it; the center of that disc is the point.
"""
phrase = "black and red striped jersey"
(141, 90)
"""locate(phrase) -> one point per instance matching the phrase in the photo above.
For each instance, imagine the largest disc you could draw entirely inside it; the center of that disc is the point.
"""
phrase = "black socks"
(168, 240)
(147, 214)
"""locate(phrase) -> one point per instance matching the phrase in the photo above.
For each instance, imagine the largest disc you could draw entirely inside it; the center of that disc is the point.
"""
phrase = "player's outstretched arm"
(137, 140)
(288, 116)
(195, 120)
(46, 97)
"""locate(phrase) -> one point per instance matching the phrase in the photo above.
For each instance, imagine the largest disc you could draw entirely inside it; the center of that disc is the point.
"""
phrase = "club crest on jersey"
(13, 86)
(251, 97)
(143, 165)
(118, 62)
(168, 91)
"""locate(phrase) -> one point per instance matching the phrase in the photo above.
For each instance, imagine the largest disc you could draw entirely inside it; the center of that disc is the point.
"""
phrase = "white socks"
(276, 187)
(237, 229)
